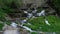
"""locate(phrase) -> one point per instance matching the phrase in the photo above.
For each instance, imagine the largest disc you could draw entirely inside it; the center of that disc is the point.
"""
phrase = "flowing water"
(46, 21)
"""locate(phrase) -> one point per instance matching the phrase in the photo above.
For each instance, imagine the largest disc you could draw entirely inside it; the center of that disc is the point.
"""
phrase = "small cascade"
(42, 13)
(27, 28)
(13, 24)
(46, 21)
(30, 15)
(24, 21)
(34, 11)
(25, 12)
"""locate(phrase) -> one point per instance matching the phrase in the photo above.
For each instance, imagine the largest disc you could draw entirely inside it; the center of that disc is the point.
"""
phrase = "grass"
(39, 22)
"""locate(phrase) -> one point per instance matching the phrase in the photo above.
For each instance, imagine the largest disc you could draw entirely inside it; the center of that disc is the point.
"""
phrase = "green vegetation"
(56, 3)
(33, 33)
(1, 26)
(7, 6)
(40, 9)
(39, 24)
(8, 22)
(2, 15)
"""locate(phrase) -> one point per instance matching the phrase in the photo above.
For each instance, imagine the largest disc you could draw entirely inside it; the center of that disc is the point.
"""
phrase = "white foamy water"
(42, 13)
(30, 15)
(13, 24)
(27, 28)
(25, 12)
(34, 11)
(46, 21)
(23, 21)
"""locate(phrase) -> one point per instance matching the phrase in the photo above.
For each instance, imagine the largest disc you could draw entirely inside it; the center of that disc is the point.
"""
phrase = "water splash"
(46, 21)
(42, 13)
(25, 12)
(30, 15)
(13, 24)
(34, 11)
(24, 21)
(27, 28)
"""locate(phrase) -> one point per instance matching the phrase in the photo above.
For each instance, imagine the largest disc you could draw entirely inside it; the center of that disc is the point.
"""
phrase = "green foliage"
(19, 3)
(56, 3)
(2, 15)
(40, 9)
(6, 5)
(8, 22)
(36, 22)
(1, 26)
(5, 9)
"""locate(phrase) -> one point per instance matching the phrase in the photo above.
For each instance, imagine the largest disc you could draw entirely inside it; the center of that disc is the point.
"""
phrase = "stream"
(29, 15)
(42, 13)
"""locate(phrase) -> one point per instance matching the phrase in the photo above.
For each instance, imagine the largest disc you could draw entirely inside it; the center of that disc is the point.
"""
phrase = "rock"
(11, 32)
